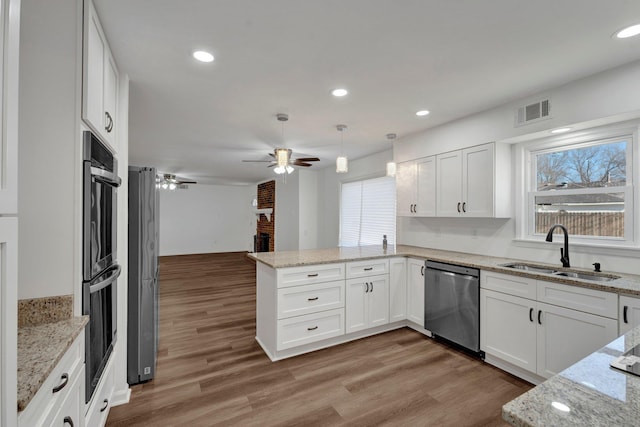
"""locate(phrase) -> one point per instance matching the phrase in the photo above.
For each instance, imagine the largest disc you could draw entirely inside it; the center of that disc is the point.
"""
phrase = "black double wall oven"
(100, 269)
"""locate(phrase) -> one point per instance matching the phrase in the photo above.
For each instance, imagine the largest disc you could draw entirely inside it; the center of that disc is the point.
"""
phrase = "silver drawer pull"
(368, 269)
(312, 329)
(65, 379)
(312, 275)
(312, 299)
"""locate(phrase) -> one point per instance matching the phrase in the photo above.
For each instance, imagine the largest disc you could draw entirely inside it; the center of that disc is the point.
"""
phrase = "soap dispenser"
(384, 241)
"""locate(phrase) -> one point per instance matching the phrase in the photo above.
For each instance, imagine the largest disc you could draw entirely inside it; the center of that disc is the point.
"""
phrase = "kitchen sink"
(586, 276)
(583, 275)
(531, 268)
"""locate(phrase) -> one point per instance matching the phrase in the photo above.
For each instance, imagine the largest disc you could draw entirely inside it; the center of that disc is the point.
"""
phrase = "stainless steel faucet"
(564, 253)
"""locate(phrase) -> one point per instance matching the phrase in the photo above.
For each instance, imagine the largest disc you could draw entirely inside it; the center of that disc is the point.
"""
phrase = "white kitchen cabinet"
(61, 395)
(508, 328)
(415, 291)
(306, 299)
(629, 316)
(474, 182)
(100, 78)
(565, 336)
(538, 336)
(416, 187)
(397, 289)
(97, 410)
(370, 267)
(367, 303)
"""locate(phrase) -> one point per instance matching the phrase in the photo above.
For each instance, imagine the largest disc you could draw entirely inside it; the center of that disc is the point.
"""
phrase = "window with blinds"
(367, 212)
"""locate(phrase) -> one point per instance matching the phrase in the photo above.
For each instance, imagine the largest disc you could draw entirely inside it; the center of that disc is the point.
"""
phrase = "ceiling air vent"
(533, 112)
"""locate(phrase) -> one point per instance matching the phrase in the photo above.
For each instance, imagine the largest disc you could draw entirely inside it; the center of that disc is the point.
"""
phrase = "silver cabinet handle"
(312, 299)
(312, 329)
(65, 379)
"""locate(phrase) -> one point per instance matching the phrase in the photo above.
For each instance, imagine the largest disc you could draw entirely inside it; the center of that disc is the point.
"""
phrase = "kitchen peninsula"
(304, 304)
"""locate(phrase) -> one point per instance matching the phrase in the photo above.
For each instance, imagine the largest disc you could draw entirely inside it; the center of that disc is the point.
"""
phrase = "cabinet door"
(629, 313)
(449, 184)
(355, 308)
(110, 98)
(415, 291)
(8, 319)
(566, 336)
(378, 301)
(406, 188)
(397, 289)
(94, 54)
(426, 170)
(477, 181)
(508, 328)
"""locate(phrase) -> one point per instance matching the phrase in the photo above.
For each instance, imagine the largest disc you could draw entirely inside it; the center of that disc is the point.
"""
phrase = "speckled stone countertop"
(626, 284)
(40, 348)
(589, 393)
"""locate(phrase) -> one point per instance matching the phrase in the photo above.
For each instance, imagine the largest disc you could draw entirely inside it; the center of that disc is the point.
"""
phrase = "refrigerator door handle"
(115, 272)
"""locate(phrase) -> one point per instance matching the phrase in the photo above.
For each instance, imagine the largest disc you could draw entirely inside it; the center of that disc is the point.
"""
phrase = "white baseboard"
(121, 397)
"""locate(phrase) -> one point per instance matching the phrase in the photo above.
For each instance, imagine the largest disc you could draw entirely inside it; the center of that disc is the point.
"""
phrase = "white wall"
(205, 219)
(287, 212)
(329, 192)
(603, 98)
(308, 209)
(49, 146)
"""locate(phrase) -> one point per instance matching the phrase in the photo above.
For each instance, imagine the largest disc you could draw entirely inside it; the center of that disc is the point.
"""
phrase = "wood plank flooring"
(211, 371)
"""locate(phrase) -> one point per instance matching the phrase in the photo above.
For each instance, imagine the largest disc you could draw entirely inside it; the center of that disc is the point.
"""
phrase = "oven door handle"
(115, 272)
(106, 177)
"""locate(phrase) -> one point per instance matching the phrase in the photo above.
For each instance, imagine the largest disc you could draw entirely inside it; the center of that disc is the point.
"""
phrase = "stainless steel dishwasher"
(452, 304)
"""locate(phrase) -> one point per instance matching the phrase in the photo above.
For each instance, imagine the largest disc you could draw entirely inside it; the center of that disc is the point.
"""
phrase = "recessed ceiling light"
(631, 31)
(561, 130)
(339, 92)
(203, 56)
(422, 113)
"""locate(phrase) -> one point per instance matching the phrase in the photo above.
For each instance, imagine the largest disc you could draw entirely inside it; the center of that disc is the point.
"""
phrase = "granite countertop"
(40, 348)
(626, 284)
(589, 393)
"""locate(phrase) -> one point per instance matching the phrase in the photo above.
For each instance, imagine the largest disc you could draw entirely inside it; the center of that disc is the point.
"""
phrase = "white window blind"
(367, 212)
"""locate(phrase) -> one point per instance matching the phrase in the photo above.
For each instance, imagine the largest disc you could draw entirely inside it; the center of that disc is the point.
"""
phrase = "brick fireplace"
(265, 230)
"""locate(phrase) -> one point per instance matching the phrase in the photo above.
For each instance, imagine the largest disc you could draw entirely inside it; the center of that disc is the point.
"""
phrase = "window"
(585, 184)
(367, 212)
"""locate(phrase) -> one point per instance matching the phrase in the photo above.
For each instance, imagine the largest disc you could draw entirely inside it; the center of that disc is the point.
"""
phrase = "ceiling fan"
(282, 161)
(171, 182)
(281, 157)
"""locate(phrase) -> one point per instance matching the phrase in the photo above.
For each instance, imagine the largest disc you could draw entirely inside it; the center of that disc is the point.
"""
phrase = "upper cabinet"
(466, 182)
(472, 182)
(100, 79)
(416, 187)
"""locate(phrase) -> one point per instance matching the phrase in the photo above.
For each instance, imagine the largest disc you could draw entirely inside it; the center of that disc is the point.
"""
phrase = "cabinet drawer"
(298, 300)
(309, 274)
(513, 285)
(582, 299)
(367, 268)
(100, 403)
(310, 328)
(70, 412)
(42, 409)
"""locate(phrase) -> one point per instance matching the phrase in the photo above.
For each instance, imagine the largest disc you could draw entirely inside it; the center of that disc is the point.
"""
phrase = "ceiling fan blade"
(272, 155)
(258, 161)
(307, 159)
(306, 165)
(185, 182)
(272, 165)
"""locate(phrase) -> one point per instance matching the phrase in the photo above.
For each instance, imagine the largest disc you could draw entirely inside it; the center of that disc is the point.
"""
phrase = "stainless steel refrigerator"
(143, 293)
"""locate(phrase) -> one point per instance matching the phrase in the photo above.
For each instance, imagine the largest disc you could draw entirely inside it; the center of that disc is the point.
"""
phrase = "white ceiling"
(453, 57)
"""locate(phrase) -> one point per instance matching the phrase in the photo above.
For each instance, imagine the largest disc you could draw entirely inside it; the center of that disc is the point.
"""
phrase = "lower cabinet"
(98, 407)
(397, 289)
(415, 291)
(367, 303)
(539, 337)
(629, 316)
(59, 400)
(300, 330)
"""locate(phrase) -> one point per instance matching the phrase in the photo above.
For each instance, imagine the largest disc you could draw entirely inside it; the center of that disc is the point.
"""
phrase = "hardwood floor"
(212, 372)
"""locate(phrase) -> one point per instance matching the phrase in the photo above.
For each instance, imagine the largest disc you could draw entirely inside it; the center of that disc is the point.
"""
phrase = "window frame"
(525, 158)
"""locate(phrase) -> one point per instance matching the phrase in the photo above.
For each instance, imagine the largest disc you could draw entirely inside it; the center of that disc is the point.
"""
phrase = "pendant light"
(342, 164)
(283, 155)
(391, 166)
